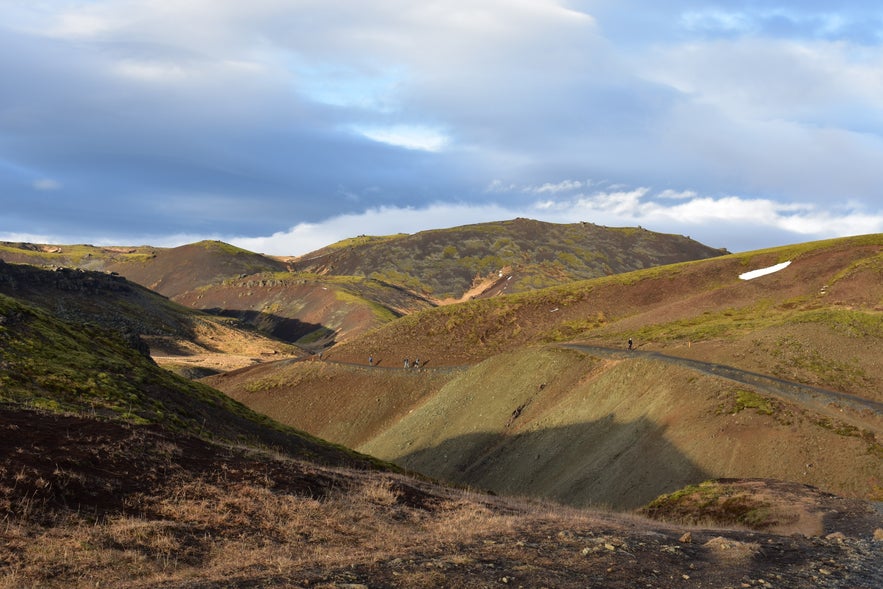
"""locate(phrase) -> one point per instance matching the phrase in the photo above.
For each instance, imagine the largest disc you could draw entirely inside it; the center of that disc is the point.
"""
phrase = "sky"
(285, 125)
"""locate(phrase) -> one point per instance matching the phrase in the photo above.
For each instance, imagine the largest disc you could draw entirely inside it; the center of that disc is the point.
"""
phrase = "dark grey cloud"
(128, 120)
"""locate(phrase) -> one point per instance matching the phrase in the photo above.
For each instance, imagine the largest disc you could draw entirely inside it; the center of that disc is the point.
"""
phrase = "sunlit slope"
(349, 404)
(820, 320)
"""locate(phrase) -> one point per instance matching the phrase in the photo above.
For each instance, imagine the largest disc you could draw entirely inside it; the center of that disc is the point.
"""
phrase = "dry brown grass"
(197, 515)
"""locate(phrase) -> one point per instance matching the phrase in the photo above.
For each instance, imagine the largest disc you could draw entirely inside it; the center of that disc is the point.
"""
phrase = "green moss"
(715, 502)
(751, 400)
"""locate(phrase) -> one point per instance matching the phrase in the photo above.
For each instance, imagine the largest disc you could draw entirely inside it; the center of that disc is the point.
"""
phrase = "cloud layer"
(288, 124)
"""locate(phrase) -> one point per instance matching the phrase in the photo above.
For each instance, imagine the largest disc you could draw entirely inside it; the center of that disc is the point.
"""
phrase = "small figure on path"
(407, 362)
(371, 360)
(416, 362)
(630, 344)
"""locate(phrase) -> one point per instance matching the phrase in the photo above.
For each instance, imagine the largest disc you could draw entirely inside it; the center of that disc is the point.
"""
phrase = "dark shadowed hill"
(507, 256)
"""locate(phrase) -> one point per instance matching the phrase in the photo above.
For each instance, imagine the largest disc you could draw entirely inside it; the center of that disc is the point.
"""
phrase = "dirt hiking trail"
(823, 400)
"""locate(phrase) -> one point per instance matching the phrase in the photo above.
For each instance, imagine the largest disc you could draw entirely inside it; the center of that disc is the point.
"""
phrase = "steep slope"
(586, 428)
(71, 367)
(508, 256)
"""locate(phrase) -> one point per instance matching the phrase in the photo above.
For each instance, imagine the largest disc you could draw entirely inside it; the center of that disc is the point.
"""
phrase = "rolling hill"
(334, 294)
(508, 256)
(499, 403)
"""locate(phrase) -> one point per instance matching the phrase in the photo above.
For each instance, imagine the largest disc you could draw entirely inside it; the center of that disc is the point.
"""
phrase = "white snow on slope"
(764, 271)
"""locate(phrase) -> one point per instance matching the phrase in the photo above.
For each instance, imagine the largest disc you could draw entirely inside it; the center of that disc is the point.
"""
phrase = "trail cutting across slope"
(824, 400)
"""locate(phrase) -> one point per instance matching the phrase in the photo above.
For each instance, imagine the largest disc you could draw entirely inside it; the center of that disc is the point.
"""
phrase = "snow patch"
(764, 271)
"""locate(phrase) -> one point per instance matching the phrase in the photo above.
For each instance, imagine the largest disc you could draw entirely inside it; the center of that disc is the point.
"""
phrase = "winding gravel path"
(802, 393)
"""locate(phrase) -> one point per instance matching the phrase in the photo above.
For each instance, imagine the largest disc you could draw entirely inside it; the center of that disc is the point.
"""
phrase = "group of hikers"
(407, 362)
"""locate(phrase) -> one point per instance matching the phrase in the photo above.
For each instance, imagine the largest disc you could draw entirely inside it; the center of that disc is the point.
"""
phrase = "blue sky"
(285, 125)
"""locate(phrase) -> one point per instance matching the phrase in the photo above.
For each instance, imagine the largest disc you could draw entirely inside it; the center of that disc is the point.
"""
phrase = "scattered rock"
(687, 538)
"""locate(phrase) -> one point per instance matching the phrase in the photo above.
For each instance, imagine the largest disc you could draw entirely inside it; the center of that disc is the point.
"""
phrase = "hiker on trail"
(371, 360)
(416, 362)
(407, 362)
(630, 343)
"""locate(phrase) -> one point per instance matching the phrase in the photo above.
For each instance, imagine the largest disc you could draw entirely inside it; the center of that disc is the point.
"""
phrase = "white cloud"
(266, 107)
(408, 136)
(150, 71)
(677, 195)
(45, 184)
(307, 237)
(26, 237)
(768, 223)
(563, 186)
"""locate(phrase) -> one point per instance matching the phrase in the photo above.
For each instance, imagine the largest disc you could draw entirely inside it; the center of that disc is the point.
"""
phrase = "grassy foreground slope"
(521, 415)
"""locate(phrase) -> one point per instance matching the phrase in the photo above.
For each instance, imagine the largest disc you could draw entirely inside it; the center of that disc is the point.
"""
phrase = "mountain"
(508, 256)
(536, 394)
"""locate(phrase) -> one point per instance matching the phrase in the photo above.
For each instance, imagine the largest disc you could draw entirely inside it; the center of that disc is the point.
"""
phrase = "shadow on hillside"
(287, 329)
(600, 463)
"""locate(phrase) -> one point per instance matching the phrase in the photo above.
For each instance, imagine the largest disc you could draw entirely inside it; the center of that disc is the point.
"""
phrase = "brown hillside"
(178, 270)
(832, 293)
(573, 427)
(311, 311)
